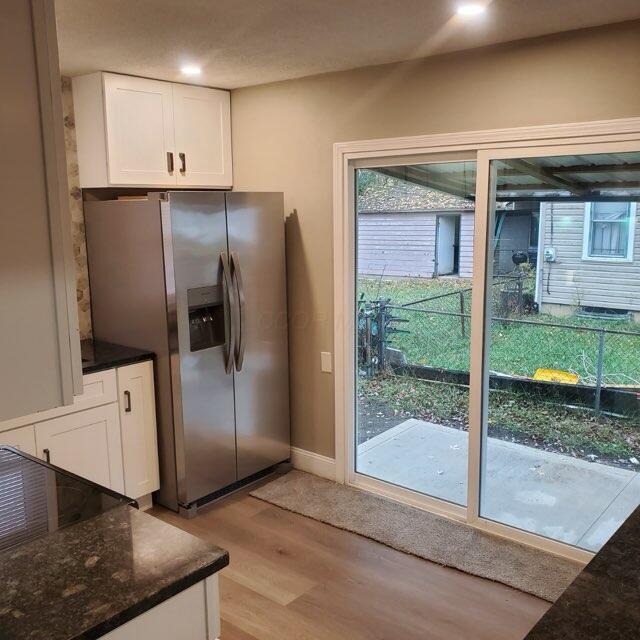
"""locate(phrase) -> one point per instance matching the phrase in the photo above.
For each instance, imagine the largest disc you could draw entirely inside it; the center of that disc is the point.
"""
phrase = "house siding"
(514, 236)
(570, 280)
(466, 245)
(403, 244)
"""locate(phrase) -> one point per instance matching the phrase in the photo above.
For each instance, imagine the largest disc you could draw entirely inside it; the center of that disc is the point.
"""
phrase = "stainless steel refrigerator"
(199, 278)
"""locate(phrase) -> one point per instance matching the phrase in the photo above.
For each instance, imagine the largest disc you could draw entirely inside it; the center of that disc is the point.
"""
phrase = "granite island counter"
(78, 561)
(603, 602)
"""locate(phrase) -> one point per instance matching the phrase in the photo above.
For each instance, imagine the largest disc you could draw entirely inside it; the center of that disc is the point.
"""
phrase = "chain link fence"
(434, 332)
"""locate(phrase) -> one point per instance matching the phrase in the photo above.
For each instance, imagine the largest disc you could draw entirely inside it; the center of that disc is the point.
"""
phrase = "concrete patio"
(575, 501)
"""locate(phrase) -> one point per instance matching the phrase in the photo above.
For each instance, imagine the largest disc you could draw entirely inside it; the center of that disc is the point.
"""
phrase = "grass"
(513, 416)
(516, 349)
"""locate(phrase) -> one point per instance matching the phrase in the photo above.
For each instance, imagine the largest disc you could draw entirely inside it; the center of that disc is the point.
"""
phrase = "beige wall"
(283, 134)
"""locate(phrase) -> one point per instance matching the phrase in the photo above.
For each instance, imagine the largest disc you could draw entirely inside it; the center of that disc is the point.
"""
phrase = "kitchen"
(170, 348)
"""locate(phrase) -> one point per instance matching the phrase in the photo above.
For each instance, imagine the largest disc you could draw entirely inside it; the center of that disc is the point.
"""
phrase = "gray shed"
(407, 230)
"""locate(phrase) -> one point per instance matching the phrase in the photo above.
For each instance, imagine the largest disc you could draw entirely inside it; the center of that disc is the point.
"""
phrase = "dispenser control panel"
(206, 317)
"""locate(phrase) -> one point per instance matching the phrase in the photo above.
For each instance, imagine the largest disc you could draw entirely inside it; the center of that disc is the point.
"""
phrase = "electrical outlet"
(325, 361)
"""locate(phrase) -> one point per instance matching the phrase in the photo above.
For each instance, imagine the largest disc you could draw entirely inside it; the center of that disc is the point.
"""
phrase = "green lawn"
(516, 349)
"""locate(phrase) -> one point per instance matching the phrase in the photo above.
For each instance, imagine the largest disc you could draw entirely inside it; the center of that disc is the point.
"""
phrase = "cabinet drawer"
(97, 388)
(23, 438)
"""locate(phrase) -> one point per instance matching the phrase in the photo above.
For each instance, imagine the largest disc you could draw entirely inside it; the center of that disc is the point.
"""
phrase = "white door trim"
(346, 155)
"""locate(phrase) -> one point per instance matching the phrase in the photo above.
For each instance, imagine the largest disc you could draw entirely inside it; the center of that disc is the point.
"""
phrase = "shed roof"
(394, 195)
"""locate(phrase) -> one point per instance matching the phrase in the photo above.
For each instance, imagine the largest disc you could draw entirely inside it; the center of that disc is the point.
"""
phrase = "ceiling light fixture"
(191, 70)
(467, 10)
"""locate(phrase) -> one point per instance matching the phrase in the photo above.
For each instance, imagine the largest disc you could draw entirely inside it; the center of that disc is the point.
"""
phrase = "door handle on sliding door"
(236, 274)
(229, 314)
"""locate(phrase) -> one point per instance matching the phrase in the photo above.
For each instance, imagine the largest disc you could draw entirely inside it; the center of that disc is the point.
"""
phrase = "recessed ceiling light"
(470, 9)
(191, 70)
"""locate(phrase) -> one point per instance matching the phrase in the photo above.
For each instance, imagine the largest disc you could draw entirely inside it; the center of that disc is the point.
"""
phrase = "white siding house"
(592, 257)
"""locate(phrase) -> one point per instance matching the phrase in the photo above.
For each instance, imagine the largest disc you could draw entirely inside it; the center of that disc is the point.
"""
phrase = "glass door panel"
(414, 232)
(561, 446)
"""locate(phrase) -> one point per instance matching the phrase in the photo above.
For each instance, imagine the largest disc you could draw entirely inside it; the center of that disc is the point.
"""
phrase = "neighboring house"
(408, 230)
(589, 257)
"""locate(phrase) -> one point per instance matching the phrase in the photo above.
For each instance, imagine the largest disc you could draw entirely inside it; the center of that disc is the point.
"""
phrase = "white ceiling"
(245, 42)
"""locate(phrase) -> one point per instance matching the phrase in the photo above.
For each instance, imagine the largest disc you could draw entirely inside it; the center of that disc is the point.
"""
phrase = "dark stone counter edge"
(101, 356)
(120, 362)
(122, 617)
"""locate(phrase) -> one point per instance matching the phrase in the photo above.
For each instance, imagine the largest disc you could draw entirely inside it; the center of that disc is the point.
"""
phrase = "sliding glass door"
(561, 442)
(497, 337)
(415, 228)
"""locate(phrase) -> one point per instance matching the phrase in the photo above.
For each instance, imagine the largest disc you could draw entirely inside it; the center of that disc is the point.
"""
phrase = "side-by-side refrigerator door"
(255, 224)
(201, 309)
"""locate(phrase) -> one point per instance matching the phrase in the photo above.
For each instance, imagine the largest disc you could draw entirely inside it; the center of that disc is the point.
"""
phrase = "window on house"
(608, 232)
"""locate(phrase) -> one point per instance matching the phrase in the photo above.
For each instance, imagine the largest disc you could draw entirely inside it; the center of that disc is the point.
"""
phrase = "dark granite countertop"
(603, 602)
(98, 355)
(86, 561)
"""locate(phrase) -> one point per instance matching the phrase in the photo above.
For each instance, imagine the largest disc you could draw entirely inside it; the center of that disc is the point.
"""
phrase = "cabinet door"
(39, 341)
(203, 136)
(139, 123)
(138, 429)
(86, 443)
(22, 438)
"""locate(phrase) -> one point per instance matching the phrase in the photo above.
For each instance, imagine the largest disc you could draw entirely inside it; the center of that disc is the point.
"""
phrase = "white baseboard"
(313, 463)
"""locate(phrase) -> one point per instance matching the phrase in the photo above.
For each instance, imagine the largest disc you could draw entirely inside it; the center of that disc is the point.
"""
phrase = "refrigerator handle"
(236, 274)
(229, 305)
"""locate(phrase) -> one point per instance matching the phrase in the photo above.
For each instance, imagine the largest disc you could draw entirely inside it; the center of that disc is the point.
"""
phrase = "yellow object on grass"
(555, 375)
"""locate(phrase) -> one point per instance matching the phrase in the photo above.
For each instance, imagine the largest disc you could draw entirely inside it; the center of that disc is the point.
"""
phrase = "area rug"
(422, 534)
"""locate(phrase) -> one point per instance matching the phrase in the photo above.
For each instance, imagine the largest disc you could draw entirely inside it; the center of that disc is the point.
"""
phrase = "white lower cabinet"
(138, 429)
(108, 435)
(23, 438)
(87, 443)
(192, 614)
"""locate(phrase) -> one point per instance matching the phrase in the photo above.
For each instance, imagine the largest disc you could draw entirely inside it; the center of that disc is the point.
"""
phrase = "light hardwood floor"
(292, 578)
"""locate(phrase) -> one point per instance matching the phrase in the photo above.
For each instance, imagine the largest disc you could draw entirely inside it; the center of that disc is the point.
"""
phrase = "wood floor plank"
(293, 577)
(249, 565)
(231, 632)
(260, 617)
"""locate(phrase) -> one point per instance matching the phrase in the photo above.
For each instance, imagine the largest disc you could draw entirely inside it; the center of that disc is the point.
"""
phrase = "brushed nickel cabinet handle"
(183, 162)
(170, 161)
(127, 401)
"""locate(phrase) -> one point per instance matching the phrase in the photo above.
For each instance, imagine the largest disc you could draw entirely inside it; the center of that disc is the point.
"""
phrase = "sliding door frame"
(590, 137)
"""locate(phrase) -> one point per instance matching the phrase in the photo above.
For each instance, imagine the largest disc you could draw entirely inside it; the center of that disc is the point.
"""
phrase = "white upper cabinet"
(137, 132)
(203, 129)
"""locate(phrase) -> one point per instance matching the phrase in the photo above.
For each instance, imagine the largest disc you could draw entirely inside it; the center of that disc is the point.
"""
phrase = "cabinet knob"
(127, 402)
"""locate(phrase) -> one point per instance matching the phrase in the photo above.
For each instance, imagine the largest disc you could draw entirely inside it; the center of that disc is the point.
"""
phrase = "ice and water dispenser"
(206, 317)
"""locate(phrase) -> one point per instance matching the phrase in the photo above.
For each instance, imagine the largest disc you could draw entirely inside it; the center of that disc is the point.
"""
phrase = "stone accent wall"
(77, 214)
